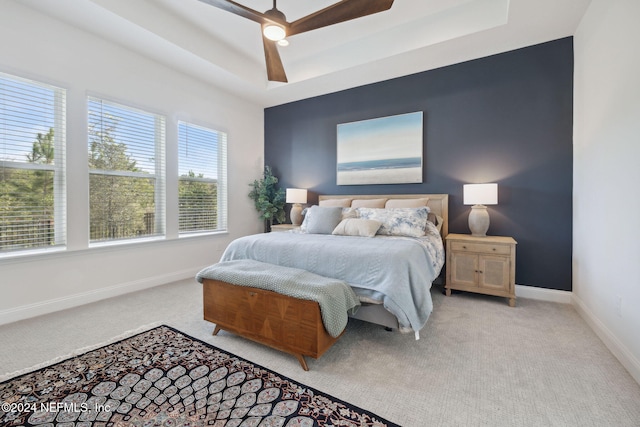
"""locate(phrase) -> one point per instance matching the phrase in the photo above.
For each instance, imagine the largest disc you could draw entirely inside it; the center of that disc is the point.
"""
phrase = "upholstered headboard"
(438, 203)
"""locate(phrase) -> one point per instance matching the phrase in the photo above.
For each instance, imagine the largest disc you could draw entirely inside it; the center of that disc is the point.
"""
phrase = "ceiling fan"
(275, 26)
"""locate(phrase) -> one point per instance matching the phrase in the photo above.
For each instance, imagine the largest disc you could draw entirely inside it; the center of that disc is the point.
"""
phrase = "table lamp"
(296, 196)
(479, 195)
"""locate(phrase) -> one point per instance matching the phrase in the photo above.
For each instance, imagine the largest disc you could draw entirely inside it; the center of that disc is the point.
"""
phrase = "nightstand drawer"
(481, 247)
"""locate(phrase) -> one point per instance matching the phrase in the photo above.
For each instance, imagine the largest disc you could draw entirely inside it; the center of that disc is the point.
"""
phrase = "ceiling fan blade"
(238, 9)
(339, 12)
(275, 69)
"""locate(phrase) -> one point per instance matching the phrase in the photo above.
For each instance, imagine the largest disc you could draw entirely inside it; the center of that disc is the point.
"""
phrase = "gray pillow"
(323, 220)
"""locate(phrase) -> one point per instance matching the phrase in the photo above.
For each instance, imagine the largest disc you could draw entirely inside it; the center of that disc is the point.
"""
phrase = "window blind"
(202, 180)
(126, 149)
(32, 165)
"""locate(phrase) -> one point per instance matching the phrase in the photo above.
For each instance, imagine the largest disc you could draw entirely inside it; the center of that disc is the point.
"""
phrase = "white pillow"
(406, 203)
(398, 221)
(439, 224)
(349, 213)
(343, 203)
(357, 227)
(368, 203)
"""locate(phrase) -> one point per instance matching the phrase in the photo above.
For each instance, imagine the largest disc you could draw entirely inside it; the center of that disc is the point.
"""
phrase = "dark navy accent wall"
(506, 118)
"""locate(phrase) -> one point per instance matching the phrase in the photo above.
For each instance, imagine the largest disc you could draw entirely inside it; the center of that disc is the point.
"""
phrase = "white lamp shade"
(480, 194)
(296, 195)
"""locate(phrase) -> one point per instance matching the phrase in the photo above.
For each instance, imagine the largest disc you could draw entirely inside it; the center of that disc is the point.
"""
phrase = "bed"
(393, 273)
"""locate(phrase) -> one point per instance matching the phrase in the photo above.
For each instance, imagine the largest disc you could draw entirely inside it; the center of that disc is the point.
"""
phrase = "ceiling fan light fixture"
(274, 32)
(275, 27)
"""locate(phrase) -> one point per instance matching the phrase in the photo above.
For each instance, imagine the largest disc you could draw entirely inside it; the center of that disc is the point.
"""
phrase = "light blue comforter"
(397, 271)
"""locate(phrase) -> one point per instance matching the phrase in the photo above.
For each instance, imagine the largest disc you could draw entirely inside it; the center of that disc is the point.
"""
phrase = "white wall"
(38, 47)
(606, 248)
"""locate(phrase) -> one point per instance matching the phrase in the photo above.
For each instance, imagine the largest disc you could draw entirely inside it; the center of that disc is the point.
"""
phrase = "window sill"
(31, 256)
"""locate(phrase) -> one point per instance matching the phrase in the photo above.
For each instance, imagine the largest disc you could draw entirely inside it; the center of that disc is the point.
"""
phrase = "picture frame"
(385, 150)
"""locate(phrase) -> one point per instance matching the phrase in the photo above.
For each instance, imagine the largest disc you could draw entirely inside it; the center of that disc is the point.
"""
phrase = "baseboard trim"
(619, 350)
(551, 295)
(45, 307)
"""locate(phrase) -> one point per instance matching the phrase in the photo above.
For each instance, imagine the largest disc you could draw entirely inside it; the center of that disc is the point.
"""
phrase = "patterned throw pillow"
(398, 221)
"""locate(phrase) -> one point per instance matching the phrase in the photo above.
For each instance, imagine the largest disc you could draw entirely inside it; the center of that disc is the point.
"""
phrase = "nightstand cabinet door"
(483, 265)
(464, 269)
(494, 273)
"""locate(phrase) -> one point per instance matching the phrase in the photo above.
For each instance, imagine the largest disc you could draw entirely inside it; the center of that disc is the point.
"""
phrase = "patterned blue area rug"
(163, 377)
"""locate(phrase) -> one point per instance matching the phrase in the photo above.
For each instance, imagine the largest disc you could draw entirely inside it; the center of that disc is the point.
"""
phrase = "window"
(32, 175)
(126, 172)
(202, 185)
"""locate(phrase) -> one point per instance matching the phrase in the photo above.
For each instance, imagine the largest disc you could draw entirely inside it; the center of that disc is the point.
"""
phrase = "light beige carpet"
(478, 362)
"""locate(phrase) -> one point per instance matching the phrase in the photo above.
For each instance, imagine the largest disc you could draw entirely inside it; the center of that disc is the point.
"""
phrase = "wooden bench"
(279, 321)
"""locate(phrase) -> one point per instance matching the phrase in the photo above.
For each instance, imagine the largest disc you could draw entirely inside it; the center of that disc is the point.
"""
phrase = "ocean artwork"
(386, 150)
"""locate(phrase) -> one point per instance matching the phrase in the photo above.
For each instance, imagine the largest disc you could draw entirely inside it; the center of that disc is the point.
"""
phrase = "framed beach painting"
(386, 150)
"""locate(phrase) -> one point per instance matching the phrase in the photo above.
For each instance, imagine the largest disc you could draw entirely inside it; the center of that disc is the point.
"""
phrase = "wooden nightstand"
(284, 227)
(485, 265)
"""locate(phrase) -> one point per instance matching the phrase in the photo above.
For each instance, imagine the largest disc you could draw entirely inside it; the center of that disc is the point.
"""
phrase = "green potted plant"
(268, 199)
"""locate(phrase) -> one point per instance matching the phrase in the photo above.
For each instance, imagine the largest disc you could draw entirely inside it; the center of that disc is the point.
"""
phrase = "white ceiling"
(226, 50)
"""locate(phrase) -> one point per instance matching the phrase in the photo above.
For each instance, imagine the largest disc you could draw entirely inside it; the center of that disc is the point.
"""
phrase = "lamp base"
(479, 220)
(296, 214)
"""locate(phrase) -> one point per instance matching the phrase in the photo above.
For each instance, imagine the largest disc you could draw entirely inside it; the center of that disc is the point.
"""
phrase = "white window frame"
(159, 175)
(219, 158)
(58, 167)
